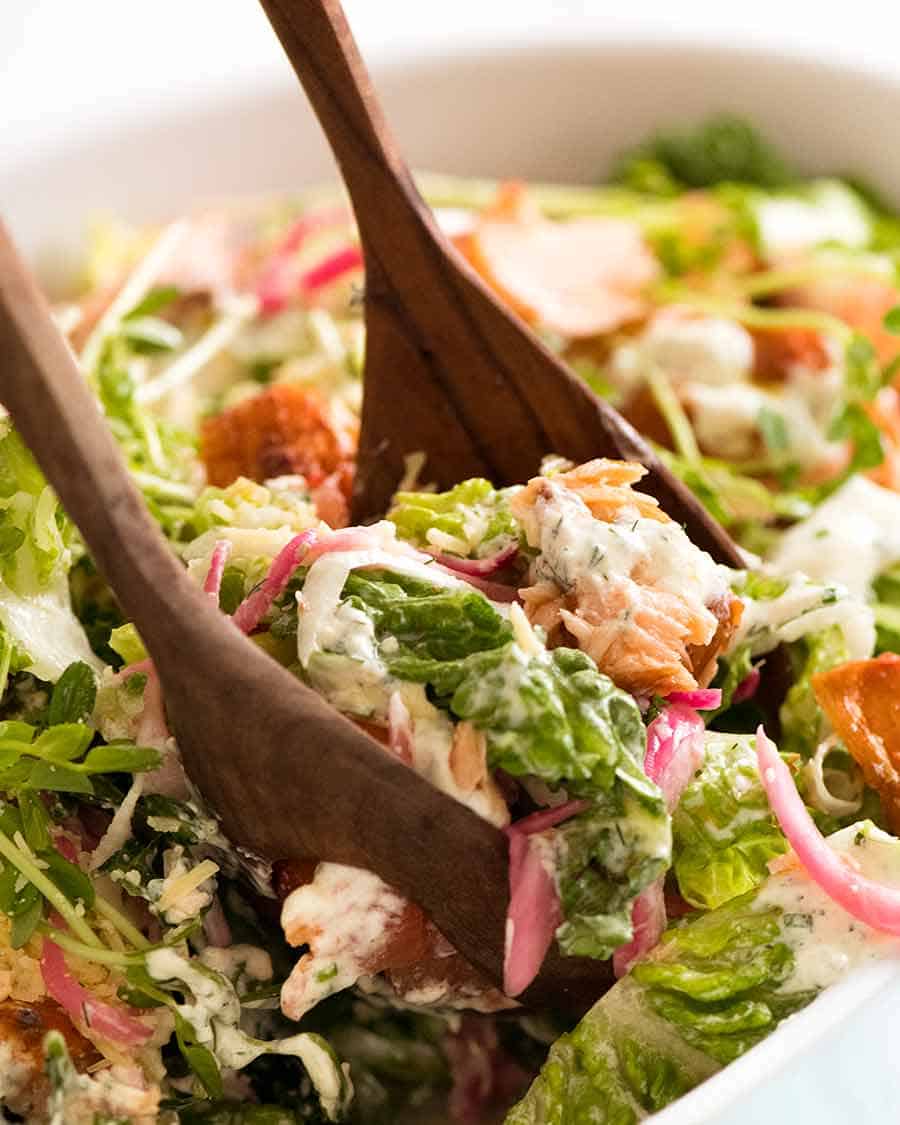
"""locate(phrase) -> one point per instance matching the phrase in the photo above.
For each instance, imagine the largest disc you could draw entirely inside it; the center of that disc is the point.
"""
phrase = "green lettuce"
(724, 148)
(553, 716)
(723, 831)
(40, 633)
(718, 984)
(471, 520)
(428, 623)
(803, 724)
(162, 459)
(886, 591)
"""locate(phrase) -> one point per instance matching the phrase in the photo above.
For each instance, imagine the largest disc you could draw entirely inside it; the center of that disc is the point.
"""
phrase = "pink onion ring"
(109, 1022)
(478, 568)
(257, 604)
(873, 903)
(701, 699)
(219, 557)
(332, 269)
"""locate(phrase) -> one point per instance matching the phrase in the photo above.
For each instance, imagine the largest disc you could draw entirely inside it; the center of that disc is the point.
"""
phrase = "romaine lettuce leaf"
(803, 724)
(723, 831)
(427, 622)
(719, 983)
(553, 716)
(41, 633)
(471, 520)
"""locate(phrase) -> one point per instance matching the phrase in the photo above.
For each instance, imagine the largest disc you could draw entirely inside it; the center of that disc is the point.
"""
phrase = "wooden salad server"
(287, 774)
(449, 370)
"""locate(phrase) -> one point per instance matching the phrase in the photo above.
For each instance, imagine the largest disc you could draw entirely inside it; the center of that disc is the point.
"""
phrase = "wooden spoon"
(449, 370)
(288, 775)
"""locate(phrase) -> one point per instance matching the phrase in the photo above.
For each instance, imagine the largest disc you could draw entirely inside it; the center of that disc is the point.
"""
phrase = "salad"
(697, 767)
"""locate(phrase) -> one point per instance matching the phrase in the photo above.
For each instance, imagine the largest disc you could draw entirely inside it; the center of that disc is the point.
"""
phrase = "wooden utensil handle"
(320, 45)
(123, 539)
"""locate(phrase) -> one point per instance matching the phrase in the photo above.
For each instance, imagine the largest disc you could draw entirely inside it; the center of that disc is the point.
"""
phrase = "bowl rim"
(214, 97)
(793, 1036)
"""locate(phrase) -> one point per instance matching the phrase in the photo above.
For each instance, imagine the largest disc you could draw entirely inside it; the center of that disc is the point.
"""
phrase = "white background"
(63, 62)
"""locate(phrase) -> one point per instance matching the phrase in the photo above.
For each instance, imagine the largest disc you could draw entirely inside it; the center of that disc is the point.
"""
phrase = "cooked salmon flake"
(616, 577)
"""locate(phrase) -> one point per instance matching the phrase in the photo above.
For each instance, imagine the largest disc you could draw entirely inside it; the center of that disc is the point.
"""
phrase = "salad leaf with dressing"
(718, 984)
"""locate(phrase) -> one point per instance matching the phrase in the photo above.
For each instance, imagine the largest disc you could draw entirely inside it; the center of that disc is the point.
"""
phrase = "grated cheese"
(182, 885)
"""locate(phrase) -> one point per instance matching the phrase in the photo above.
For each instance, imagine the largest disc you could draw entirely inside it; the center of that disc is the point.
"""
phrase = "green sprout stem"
(26, 865)
(119, 922)
(751, 315)
(674, 415)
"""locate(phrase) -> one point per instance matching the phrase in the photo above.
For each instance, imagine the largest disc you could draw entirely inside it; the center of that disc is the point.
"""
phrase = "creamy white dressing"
(827, 942)
(852, 536)
(215, 1015)
(349, 911)
(802, 609)
(726, 421)
(708, 350)
(349, 671)
(575, 546)
(827, 212)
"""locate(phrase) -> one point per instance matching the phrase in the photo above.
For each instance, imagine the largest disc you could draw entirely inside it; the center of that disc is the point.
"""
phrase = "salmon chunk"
(581, 278)
(862, 702)
(282, 431)
(621, 581)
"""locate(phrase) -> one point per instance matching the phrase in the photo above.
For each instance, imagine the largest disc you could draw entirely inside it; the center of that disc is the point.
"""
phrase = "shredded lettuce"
(162, 459)
(779, 610)
(471, 520)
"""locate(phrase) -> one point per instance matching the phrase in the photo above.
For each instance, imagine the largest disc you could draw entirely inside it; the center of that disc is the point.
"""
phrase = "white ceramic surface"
(562, 112)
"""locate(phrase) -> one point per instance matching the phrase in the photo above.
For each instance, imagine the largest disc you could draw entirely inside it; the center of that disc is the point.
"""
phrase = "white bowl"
(559, 112)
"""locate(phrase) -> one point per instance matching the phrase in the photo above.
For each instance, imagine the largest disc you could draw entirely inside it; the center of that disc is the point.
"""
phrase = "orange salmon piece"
(583, 277)
(281, 431)
(862, 702)
(648, 640)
